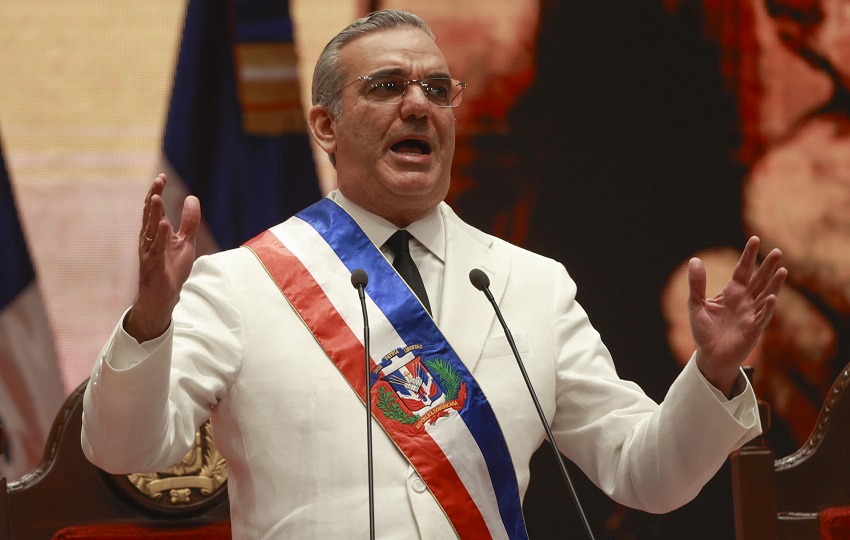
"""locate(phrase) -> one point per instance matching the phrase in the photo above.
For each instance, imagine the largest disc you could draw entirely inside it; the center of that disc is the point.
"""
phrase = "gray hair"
(329, 78)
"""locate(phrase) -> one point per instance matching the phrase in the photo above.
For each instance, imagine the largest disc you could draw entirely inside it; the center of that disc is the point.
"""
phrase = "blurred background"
(618, 138)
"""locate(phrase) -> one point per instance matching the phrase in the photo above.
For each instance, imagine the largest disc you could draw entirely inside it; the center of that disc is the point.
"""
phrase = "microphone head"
(479, 279)
(359, 278)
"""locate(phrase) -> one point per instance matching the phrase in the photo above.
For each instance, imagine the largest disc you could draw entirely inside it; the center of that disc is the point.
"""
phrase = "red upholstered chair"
(803, 496)
(66, 497)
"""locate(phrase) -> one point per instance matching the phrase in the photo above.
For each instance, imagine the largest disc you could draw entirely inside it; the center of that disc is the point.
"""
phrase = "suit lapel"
(466, 315)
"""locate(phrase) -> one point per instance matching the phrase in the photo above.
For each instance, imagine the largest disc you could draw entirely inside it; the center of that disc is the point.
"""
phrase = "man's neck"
(401, 218)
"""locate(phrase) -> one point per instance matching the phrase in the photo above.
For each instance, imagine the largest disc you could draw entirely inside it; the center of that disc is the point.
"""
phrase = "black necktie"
(403, 263)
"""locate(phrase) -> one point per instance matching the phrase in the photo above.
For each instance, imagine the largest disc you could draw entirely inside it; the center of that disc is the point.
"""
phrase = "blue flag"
(31, 389)
(235, 134)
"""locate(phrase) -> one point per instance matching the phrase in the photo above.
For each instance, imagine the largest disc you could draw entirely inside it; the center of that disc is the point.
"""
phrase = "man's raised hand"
(725, 328)
(165, 260)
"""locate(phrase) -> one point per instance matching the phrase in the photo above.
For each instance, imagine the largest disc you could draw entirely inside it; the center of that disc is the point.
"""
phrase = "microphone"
(481, 282)
(359, 280)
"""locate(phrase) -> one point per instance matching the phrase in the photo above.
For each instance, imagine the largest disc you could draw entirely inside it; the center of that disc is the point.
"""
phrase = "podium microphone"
(359, 279)
(481, 282)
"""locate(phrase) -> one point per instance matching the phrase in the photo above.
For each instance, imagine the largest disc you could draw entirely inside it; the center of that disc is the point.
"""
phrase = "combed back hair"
(329, 78)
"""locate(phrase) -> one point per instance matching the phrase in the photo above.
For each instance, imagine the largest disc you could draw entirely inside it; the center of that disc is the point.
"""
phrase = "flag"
(235, 134)
(31, 389)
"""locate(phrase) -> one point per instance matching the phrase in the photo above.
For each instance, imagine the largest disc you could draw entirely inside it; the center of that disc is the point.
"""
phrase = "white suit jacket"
(292, 430)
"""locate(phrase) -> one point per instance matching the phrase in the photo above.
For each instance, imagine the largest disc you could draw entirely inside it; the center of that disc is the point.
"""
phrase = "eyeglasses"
(390, 89)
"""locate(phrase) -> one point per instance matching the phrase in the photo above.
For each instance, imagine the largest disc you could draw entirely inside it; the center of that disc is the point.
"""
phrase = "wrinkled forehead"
(404, 51)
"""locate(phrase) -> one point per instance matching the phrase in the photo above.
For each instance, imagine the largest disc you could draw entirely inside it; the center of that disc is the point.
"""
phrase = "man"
(283, 375)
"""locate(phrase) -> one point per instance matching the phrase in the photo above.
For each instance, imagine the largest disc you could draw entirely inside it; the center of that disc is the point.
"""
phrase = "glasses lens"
(385, 88)
(444, 92)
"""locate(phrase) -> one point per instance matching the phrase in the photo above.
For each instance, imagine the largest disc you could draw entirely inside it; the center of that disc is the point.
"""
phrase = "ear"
(323, 128)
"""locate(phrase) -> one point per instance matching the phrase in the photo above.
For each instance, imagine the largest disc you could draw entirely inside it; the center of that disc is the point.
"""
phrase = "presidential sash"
(421, 393)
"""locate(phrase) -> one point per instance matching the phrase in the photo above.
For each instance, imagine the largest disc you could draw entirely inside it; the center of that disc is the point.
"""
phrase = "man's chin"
(412, 180)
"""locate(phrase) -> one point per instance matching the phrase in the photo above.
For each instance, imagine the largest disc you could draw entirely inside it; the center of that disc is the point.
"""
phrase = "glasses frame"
(423, 84)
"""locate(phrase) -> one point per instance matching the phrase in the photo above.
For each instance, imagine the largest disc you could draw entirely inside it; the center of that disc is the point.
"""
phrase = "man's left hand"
(725, 328)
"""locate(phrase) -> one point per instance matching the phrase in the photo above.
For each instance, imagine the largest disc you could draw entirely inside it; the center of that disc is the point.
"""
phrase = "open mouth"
(411, 146)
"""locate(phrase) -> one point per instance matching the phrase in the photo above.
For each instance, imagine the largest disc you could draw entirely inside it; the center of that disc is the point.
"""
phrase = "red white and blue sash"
(422, 394)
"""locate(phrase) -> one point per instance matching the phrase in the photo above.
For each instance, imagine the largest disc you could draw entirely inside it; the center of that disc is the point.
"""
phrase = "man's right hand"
(165, 260)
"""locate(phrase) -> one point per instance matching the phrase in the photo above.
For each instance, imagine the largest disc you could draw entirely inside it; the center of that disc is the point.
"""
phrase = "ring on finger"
(148, 238)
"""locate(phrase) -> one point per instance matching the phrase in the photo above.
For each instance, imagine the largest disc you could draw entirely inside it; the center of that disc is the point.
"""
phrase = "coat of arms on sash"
(412, 389)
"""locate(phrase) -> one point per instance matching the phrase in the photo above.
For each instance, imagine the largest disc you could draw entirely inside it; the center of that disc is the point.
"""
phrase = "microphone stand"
(481, 282)
(359, 279)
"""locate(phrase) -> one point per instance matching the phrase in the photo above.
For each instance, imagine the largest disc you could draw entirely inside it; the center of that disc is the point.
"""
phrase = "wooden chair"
(803, 496)
(66, 497)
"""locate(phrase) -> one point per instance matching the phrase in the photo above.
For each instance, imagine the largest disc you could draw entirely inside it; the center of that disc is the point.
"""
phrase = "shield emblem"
(418, 390)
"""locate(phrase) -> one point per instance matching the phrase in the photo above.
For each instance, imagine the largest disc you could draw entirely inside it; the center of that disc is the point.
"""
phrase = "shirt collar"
(429, 231)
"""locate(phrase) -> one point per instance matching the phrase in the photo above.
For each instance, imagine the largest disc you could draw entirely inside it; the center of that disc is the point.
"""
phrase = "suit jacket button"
(418, 485)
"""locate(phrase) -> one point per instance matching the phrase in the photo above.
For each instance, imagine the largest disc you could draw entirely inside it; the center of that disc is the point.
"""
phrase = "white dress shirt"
(427, 247)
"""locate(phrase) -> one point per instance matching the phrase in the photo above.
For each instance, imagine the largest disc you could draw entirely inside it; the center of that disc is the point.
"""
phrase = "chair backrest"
(803, 496)
(67, 497)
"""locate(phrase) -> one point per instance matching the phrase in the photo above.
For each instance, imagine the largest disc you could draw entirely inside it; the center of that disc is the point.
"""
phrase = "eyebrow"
(400, 72)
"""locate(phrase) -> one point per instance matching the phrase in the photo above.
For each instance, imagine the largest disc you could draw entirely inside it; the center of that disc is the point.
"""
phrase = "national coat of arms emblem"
(413, 388)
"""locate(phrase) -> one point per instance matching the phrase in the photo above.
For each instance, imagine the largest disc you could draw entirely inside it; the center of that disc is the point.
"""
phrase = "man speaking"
(267, 340)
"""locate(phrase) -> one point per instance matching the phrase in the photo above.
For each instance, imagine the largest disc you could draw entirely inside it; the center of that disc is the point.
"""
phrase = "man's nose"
(414, 102)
